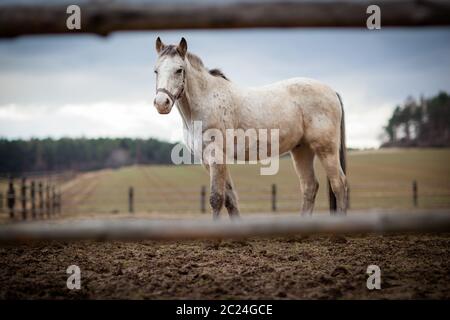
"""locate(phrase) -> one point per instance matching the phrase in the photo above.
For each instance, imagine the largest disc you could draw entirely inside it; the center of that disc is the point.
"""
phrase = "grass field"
(378, 179)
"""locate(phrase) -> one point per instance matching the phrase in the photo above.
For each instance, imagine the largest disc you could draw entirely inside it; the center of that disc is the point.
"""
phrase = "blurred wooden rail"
(102, 17)
(145, 229)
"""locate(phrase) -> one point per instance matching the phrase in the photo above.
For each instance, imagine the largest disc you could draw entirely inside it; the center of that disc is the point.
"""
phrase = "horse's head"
(170, 74)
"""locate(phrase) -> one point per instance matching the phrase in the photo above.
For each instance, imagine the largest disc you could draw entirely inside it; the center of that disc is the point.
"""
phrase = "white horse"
(308, 114)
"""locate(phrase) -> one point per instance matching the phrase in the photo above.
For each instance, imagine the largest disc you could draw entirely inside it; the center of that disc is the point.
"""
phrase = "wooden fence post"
(59, 202)
(203, 199)
(11, 195)
(47, 199)
(41, 199)
(33, 199)
(274, 197)
(23, 197)
(415, 194)
(54, 204)
(131, 200)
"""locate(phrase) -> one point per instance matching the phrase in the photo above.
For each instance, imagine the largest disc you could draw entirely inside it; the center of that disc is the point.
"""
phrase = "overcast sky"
(90, 86)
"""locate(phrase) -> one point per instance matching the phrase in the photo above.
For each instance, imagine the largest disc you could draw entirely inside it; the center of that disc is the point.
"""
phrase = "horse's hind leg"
(303, 158)
(338, 181)
(231, 200)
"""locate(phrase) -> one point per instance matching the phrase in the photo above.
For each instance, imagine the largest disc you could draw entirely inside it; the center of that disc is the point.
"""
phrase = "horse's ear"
(159, 45)
(182, 47)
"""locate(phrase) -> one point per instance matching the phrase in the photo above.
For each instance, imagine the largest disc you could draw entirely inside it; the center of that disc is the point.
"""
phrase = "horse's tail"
(342, 157)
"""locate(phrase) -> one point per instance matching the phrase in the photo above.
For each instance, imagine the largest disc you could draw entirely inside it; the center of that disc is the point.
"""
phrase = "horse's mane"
(195, 61)
(218, 73)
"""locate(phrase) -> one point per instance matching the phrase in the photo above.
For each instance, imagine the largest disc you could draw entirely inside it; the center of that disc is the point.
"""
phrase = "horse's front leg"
(231, 199)
(218, 175)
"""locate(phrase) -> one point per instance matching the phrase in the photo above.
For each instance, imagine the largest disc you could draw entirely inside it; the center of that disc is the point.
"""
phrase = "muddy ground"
(319, 267)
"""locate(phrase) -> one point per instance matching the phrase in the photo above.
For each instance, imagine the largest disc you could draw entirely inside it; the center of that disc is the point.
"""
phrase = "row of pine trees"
(420, 123)
(38, 155)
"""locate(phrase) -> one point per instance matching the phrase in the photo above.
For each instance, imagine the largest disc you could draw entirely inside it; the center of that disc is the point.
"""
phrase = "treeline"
(18, 156)
(420, 123)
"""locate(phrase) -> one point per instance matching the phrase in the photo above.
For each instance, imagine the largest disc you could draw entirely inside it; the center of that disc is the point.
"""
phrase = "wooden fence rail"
(274, 198)
(145, 229)
(104, 17)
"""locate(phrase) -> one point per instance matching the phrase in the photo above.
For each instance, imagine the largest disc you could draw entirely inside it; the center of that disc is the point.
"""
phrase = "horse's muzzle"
(162, 103)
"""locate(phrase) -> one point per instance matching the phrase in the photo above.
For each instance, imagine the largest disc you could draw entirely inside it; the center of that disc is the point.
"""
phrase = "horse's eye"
(179, 71)
(156, 71)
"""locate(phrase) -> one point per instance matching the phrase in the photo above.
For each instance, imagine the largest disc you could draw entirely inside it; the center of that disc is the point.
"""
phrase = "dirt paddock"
(316, 267)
